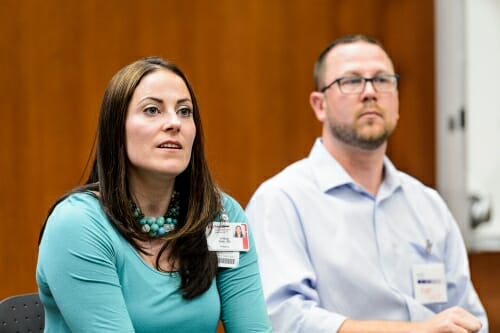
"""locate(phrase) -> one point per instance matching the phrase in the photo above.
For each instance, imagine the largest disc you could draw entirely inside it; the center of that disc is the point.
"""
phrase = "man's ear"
(317, 102)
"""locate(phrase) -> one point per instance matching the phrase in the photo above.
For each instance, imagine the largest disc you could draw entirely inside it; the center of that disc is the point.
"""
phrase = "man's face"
(365, 119)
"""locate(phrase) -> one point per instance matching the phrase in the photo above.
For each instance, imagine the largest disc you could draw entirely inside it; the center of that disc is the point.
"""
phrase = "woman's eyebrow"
(183, 100)
(156, 99)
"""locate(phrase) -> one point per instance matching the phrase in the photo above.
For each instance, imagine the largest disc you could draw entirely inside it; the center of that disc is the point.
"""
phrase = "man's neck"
(364, 166)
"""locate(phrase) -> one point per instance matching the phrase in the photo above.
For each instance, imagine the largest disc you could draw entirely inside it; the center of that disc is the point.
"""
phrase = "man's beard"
(349, 135)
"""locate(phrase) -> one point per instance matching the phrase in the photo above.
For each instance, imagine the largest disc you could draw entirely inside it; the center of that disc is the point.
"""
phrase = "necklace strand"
(160, 225)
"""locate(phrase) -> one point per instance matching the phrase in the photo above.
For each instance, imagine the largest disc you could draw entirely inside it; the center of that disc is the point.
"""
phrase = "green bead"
(160, 220)
(158, 226)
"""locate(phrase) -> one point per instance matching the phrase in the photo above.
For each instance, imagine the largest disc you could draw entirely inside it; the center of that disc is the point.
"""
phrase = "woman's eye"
(185, 112)
(151, 110)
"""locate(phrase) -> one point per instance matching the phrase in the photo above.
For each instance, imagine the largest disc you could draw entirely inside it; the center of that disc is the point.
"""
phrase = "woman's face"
(159, 127)
(238, 230)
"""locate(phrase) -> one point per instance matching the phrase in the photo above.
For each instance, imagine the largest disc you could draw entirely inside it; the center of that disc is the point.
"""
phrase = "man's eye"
(352, 80)
(381, 79)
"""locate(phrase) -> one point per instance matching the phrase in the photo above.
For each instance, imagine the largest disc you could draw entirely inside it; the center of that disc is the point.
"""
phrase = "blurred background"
(250, 63)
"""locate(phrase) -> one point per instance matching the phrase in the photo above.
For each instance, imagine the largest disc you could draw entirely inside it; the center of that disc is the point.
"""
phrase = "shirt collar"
(329, 174)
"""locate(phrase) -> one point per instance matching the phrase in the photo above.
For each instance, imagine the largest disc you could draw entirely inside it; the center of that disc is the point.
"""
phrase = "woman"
(238, 232)
(127, 252)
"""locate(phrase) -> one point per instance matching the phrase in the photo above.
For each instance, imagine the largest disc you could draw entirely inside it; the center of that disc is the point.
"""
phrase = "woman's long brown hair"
(200, 199)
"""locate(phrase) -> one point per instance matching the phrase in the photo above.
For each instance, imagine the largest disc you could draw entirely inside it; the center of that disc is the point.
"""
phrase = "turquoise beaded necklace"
(161, 225)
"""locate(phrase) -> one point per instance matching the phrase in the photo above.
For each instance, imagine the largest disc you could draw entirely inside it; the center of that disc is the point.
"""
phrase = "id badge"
(226, 236)
(429, 283)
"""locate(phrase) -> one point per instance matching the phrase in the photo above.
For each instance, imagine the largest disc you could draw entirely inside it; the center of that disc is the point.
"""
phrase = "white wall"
(483, 112)
(467, 71)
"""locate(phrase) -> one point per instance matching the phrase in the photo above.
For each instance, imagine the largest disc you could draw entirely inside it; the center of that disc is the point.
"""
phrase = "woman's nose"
(172, 121)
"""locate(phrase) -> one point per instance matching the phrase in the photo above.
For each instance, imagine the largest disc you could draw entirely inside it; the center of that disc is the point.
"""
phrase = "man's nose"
(369, 87)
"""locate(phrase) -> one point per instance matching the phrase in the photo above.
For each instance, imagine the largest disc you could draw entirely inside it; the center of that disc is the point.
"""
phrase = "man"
(348, 243)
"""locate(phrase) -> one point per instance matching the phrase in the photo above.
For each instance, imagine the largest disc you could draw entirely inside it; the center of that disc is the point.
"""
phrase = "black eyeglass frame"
(365, 80)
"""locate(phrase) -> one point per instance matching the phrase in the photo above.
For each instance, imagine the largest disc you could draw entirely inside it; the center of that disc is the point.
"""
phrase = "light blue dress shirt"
(329, 250)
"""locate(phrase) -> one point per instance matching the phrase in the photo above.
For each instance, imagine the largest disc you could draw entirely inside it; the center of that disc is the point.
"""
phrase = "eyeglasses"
(356, 84)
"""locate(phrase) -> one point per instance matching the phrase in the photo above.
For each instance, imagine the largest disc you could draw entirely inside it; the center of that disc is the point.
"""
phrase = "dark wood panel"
(485, 271)
(249, 61)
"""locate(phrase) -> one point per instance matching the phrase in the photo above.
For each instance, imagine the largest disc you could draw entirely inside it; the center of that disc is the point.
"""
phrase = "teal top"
(91, 279)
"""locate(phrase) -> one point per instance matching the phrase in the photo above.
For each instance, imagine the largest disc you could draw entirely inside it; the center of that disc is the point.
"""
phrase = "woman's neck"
(152, 196)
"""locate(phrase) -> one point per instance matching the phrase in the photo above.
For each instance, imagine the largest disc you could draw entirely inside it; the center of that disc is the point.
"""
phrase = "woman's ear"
(317, 102)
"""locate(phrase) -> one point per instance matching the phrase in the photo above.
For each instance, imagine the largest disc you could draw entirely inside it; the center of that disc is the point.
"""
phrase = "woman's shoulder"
(232, 208)
(78, 202)
(75, 211)
(228, 200)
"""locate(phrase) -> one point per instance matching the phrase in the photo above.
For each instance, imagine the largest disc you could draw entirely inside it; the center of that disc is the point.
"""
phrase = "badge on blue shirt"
(429, 283)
